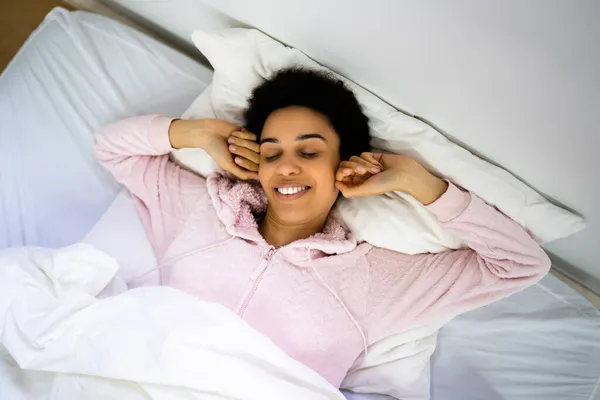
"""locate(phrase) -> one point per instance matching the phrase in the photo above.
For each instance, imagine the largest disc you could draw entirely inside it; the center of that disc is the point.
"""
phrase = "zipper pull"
(269, 254)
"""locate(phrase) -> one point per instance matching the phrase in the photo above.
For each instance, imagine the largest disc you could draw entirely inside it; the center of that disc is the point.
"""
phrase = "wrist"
(435, 189)
(187, 133)
(425, 188)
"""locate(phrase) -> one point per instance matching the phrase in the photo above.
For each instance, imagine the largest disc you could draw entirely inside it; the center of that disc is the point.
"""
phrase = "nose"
(288, 165)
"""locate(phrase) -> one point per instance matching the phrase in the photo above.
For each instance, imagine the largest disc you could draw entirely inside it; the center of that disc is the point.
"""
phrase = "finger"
(342, 174)
(373, 158)
(347, 190)
(371, 167)
(245, 153)
(244, 143)
(244, 135)
(343, 171)
(351, 167)
(246, 164)
(240, 172)
(341, 186)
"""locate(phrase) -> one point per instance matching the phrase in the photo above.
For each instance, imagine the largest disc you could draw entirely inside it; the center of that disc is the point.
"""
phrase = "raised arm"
(502, 259)
(409, 289)
(136, 151)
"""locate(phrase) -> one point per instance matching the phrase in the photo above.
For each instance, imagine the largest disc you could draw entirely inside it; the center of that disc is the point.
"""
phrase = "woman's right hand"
(231, 147)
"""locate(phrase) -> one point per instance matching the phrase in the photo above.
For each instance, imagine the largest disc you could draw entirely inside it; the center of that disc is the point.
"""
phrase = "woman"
(269, 251)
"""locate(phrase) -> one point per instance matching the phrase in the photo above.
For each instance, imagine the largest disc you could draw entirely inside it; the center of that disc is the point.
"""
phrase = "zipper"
(268, 255)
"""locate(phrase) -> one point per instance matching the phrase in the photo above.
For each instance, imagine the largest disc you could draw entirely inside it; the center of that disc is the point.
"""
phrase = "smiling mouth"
(291, 193)
(292, 190)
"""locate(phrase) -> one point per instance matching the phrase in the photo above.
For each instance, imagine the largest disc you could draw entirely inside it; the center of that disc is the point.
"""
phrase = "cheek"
(265, 172)
(324, 174)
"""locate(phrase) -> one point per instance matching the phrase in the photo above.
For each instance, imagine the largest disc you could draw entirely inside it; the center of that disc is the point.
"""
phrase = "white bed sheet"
(77, 72)
(542, 343)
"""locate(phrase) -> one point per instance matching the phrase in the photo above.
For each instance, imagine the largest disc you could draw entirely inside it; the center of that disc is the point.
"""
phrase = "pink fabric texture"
(318, 298)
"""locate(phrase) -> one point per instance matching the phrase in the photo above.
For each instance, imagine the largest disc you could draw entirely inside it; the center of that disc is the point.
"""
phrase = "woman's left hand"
(372, 174)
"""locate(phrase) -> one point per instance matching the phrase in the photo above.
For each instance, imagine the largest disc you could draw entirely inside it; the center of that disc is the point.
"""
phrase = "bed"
(79, 71)
(76, 73)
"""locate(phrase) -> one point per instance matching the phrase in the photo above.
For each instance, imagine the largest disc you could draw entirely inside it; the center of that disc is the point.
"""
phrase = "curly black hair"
(319, 91)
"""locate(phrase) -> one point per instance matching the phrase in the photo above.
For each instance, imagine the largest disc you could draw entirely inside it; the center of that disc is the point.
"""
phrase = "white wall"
(179, 17)
(517, 81)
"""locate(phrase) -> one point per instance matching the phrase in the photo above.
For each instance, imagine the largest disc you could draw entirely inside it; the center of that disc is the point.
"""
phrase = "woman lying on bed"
(270, 251)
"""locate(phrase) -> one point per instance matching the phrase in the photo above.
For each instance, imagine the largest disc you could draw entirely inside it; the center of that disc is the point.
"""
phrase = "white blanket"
(70, 331)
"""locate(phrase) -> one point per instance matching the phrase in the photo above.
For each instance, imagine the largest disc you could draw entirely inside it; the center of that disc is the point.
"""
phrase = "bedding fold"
(61, 341)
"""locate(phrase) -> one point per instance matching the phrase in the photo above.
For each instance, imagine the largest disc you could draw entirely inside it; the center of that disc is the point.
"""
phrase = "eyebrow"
(305, 136)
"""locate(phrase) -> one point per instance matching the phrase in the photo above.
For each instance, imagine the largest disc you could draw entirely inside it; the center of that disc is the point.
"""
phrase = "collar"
(239, 203)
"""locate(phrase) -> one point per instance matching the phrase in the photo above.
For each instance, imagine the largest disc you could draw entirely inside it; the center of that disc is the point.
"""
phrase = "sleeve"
(409, 290)
(136, 152)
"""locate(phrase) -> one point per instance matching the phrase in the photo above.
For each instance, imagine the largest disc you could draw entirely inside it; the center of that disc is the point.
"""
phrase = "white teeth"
(290, 190)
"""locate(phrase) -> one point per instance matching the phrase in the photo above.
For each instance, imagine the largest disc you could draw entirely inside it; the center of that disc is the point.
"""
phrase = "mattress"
(77, 72)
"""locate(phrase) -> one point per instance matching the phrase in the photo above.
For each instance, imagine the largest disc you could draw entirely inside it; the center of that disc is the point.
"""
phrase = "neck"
(278, 233)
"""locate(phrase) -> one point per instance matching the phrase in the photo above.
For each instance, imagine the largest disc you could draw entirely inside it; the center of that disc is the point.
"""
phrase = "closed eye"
(302, 154)
(272, 158)
(308, 156)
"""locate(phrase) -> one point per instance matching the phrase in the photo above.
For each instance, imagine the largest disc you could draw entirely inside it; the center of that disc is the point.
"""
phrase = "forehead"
(287, 123)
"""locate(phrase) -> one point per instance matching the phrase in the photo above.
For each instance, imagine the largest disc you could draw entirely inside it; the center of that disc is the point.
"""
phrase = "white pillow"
(243, 58)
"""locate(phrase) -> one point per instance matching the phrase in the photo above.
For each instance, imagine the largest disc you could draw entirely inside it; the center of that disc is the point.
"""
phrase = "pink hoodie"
(320, 299)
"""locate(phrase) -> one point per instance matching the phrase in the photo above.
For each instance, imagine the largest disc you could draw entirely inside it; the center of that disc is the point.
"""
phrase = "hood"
(239, 203)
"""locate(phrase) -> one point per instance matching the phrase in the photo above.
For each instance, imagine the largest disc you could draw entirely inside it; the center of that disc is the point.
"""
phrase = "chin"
(300, 208)
(292, 216)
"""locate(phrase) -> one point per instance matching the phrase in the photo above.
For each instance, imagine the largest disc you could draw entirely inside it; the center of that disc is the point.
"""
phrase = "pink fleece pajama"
(320, 299)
